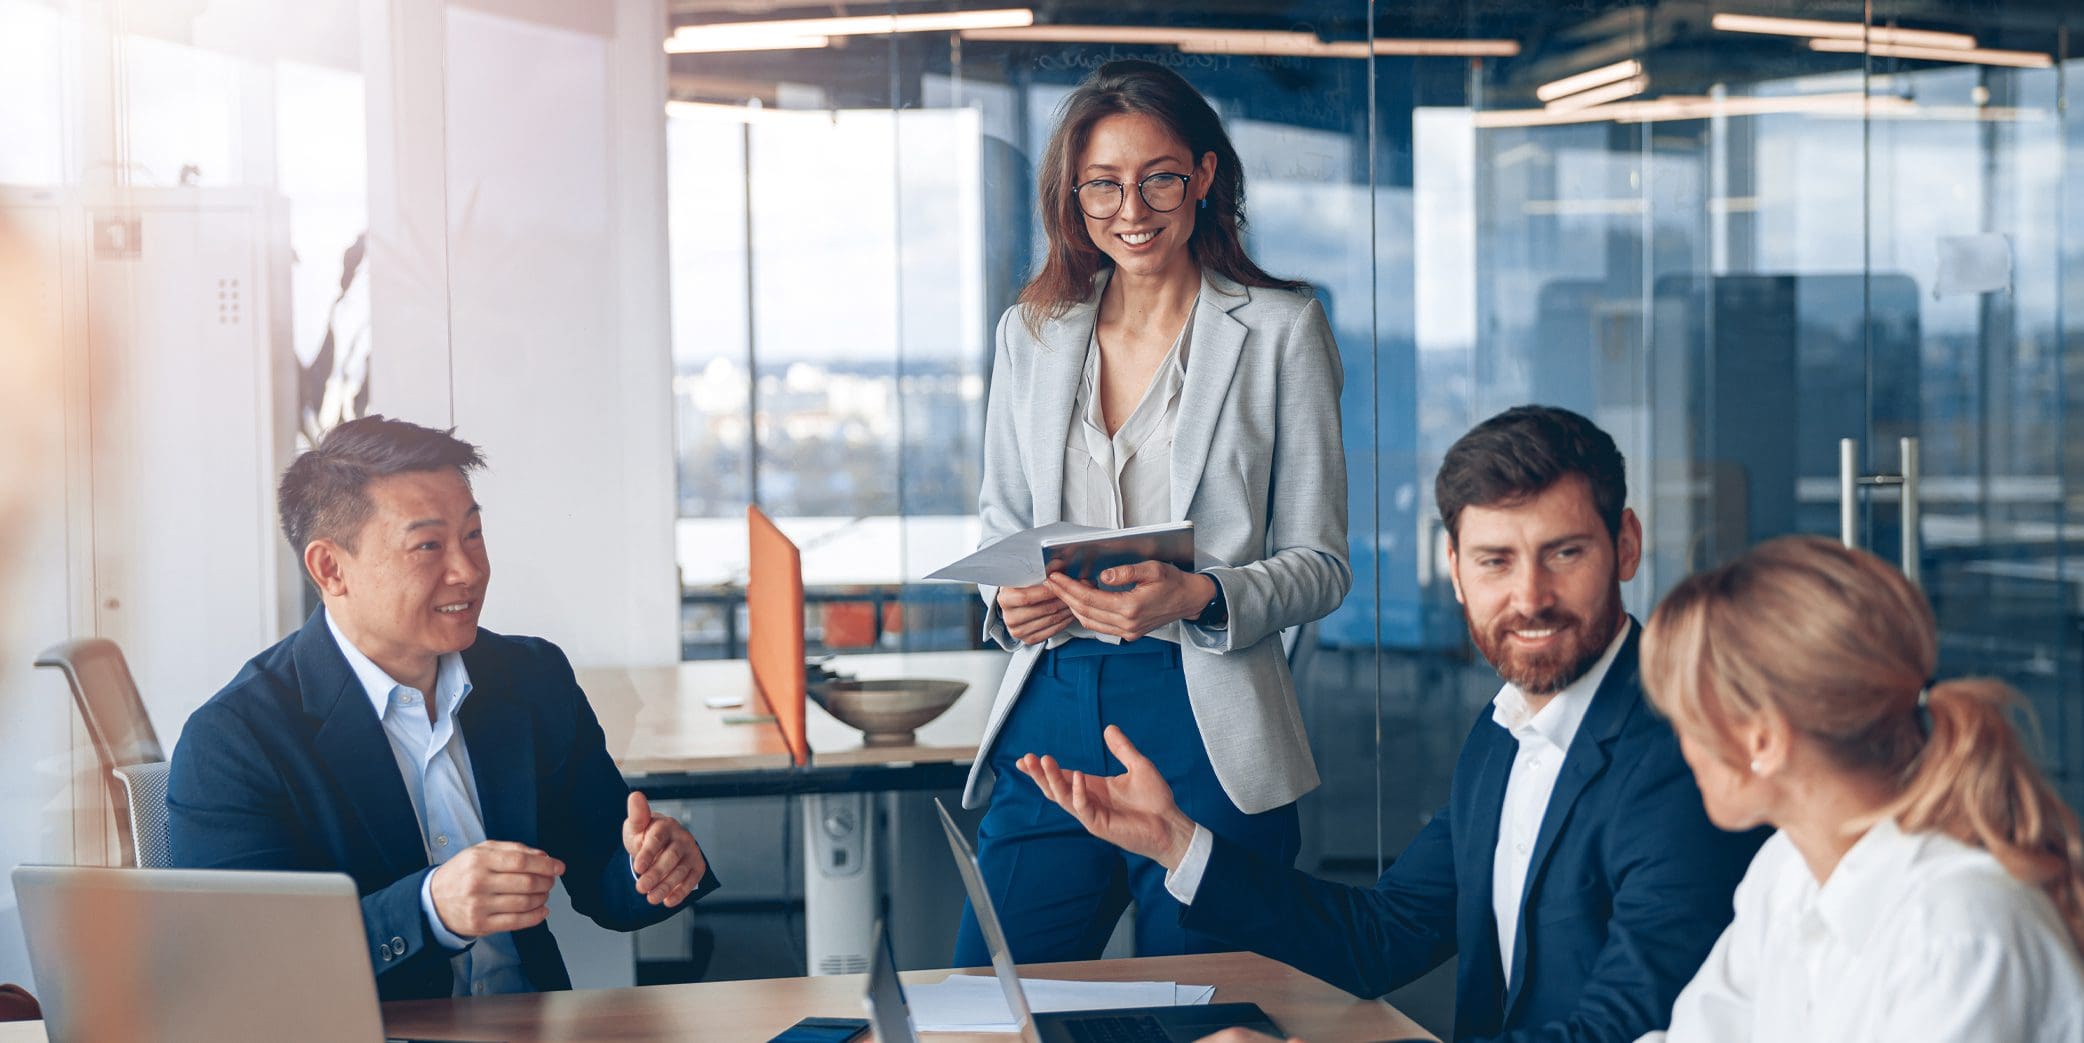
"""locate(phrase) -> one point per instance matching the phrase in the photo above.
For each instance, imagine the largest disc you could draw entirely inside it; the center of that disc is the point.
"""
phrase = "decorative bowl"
(889, 711)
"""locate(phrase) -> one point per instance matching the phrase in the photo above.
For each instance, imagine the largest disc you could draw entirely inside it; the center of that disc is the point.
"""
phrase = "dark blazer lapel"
(1212, 354)
(1058, 367)
(1477, 836)
(1586, 760)
(502, 750)
(350, 741)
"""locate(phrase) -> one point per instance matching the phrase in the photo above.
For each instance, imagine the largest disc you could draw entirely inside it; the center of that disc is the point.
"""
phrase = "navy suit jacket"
(1629, 887)
(288, 768)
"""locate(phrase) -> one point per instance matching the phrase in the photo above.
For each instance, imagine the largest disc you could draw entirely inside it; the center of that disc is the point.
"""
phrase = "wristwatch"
(1216, 614)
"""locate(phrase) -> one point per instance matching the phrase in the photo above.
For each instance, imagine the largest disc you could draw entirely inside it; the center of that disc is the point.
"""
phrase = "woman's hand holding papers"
(1133, 811)
(1163, 594)
(1033, 614)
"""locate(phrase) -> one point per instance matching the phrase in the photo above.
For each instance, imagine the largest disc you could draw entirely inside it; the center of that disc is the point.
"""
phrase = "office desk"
(672, 746)
(731, 1011)
(756, 1010)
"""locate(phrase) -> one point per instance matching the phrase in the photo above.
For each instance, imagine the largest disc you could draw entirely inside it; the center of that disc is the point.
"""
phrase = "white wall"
(516, 211)
(36, 746)
(552, 351)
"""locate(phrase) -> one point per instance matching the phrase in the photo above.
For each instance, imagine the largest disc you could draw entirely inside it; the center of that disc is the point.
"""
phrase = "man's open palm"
(1133, 811)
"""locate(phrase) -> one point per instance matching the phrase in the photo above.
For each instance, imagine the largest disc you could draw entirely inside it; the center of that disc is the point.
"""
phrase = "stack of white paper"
(976, 1003)
(1015, 561)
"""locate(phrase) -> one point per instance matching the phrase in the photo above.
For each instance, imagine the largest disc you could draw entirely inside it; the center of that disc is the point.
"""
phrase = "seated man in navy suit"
(454, 773)
(1573, 870)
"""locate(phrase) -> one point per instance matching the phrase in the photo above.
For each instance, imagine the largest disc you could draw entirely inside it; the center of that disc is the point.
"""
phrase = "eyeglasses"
(1101, 198)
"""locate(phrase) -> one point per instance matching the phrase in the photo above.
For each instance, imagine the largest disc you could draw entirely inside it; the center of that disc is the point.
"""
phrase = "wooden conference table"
(731, 1011)
(672, 745)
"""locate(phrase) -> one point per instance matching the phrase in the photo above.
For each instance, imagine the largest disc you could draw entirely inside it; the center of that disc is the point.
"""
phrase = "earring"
(1204, 204)
(1754, 766)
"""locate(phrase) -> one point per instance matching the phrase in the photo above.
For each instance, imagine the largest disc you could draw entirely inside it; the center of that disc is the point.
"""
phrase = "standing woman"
(1152, 373)
(1926, 882)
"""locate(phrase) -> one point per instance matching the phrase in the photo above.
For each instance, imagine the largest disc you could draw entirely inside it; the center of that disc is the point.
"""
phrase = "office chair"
(124, 741)
(145, 787)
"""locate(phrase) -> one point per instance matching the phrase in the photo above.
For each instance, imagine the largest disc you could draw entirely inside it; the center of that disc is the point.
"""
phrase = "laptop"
(1130, 1025)
(888, 1013)
(195, 954)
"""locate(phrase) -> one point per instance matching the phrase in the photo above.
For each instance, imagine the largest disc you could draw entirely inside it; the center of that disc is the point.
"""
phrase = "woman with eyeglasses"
(1926, 882)
(1151, 372)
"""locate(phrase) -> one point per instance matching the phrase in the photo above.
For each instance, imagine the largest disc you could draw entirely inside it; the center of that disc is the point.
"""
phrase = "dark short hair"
(324, 494)
(1518, 454)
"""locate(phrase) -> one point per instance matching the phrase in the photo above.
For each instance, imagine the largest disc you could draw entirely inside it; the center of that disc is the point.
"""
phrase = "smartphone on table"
(824, 1030)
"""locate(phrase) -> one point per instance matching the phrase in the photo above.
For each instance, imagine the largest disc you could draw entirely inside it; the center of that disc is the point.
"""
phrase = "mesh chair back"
(108, 700)
(115, 717)
(146, 786)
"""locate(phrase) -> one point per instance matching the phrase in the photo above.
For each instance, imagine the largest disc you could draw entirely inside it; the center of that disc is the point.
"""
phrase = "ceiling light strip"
(745, 42)
(863, 25)
(1627, 88)
(1972, 56)
(1269, 42)
(1690, 107)
(1746, 23)
(1589, 79)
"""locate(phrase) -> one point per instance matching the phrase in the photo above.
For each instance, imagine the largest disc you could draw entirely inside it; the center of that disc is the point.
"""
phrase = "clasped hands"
(501, 885)
(1162, 594)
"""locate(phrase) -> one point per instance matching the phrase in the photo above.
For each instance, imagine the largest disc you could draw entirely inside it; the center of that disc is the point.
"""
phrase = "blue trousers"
(1057, 888)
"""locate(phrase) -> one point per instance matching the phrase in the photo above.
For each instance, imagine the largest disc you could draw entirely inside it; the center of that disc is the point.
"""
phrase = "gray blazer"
(1257, 466)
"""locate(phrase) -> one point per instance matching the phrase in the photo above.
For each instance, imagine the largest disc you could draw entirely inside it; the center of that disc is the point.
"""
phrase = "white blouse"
(1913, 937)
(1125, 479)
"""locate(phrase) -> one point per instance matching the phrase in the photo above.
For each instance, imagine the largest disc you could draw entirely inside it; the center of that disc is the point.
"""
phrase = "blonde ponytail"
(1841, 645)
(1975, 781)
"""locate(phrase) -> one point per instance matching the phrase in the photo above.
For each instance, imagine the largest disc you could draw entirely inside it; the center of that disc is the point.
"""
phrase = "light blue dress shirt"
(436, 767)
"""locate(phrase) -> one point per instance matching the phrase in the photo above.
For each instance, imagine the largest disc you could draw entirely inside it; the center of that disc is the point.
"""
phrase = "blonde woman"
(1926, 883)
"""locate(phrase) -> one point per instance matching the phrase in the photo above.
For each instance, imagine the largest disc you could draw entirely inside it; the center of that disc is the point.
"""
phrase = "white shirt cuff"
(449, 939)
(1185, 879)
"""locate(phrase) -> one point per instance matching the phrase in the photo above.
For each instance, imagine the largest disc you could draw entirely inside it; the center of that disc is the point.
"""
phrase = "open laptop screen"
(887, 1010)
(988, 923)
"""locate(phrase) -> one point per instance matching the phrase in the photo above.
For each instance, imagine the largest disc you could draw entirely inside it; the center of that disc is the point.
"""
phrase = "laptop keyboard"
(1142, 1029)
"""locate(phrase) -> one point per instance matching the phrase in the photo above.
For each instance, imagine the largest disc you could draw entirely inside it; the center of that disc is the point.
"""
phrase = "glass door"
(1966, 195)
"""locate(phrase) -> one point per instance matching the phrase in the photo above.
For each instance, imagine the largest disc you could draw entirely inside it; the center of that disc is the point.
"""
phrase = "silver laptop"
(888, 1013)
(1157, 1024)
(196, 954)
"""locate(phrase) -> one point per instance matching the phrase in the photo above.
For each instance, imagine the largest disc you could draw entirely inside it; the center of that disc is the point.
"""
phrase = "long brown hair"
(1840, 644)
(1140, 88)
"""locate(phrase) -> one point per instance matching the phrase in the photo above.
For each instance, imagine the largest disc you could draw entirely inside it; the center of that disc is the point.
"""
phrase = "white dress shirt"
(1544, 738)
(1913, 937)
(436, 767)
(1125, 479)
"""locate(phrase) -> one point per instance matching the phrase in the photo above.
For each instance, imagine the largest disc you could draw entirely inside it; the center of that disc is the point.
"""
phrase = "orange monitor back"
(774, 625)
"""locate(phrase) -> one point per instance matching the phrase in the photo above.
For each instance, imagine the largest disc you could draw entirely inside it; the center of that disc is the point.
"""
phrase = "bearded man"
(1573, 872)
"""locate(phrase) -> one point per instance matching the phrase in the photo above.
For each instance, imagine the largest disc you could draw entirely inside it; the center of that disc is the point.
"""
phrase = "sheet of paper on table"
(976, 1003)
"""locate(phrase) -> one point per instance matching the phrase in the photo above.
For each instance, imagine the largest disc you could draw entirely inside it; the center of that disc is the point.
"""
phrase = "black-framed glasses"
(1101, 198)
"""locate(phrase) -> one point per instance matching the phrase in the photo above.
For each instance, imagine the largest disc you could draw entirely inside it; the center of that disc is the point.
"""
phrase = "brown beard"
(1548, 673)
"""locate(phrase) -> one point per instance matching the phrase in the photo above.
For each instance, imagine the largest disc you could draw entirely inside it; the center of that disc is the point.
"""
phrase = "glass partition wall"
(623, 241)
(1754, 242)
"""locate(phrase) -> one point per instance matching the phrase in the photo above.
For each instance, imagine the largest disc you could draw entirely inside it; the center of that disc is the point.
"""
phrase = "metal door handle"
(1849, 481)
(1911, 547)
